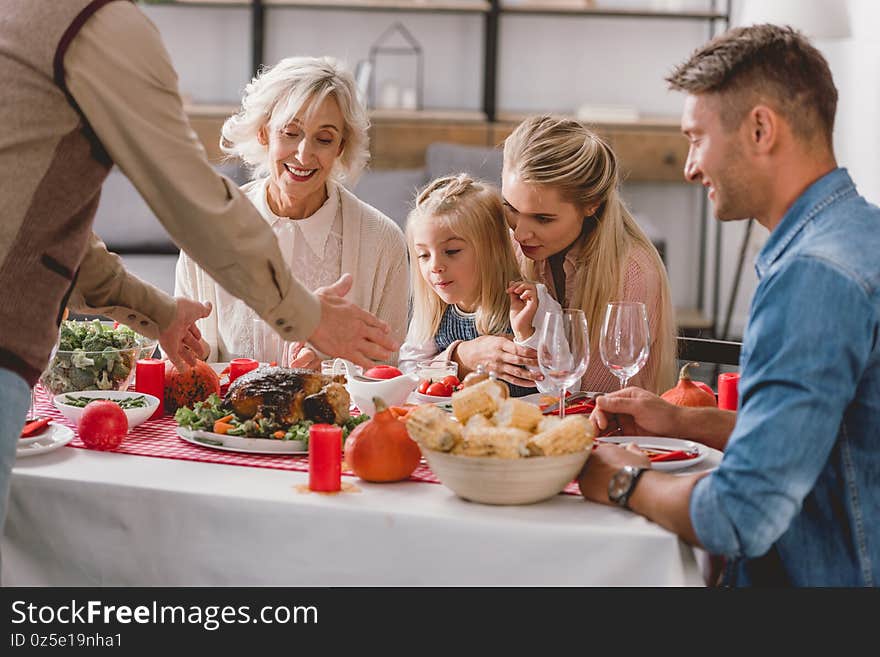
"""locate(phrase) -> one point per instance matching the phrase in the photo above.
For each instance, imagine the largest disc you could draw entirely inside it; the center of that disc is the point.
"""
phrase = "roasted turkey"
(288, 395)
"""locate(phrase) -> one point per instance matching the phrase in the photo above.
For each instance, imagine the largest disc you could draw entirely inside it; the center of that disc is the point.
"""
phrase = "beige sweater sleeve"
(121, 77)
(104, 287)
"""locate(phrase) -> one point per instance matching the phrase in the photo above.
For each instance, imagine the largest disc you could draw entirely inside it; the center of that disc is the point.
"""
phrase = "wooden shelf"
(461, 6)
(650, 150)
(565, 9)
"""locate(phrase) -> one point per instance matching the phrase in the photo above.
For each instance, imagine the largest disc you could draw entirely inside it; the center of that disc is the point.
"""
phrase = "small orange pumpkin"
(688, 392)
(380, 449)
(187, 388)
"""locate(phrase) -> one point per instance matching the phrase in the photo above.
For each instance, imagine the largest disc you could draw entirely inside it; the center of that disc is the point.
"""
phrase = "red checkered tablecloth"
(159, 438)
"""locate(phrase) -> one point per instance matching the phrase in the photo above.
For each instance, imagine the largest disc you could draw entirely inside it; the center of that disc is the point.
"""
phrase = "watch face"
(620, 483)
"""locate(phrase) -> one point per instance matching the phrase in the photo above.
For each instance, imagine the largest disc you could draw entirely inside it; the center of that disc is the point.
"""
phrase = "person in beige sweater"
(303, 132)
(88, 84)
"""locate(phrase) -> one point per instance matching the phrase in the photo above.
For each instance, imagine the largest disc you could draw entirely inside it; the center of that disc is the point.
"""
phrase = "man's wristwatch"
(623, 483)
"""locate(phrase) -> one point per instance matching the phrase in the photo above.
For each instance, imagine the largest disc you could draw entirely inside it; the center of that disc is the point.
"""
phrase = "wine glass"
(564, 350)
(625, 341)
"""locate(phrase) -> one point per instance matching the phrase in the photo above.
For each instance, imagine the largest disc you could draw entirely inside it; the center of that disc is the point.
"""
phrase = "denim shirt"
(796, 498)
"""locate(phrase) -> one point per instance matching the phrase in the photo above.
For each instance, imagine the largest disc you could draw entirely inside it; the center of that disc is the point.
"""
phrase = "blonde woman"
(465, 279)
(572, 232)
(303, 133)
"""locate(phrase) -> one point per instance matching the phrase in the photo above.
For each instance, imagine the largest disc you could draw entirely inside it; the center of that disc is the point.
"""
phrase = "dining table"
(161, 511)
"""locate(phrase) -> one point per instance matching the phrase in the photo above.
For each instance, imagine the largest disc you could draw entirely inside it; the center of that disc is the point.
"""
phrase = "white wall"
(553, 64)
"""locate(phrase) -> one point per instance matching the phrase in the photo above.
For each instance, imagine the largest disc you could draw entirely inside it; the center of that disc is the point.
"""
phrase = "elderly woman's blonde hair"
(472, 210)
(279, 94)
(566, 155)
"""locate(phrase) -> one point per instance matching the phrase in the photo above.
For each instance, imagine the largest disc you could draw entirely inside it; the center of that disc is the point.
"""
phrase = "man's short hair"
(767, 64)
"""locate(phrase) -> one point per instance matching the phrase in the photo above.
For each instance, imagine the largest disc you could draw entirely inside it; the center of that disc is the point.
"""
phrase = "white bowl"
(135, 416)
(491, 480)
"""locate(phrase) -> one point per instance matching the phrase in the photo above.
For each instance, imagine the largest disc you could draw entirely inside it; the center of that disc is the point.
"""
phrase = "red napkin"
(35, 427)
(585, 406)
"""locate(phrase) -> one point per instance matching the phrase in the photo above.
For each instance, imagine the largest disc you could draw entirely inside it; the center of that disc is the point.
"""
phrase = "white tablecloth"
(79, 517)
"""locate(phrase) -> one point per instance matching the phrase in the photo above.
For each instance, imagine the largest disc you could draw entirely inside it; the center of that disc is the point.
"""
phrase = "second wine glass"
(564, 350)
(625, 340)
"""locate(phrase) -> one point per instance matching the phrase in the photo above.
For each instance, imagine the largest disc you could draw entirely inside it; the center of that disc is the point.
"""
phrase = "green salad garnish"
(203, 415)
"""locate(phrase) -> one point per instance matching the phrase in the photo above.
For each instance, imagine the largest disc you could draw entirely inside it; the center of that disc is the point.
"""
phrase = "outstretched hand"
(347, 331)
(181, 341)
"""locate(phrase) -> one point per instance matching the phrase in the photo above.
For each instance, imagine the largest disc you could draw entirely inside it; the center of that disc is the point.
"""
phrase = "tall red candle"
(239, 366)
(150, 379)
(728, 390)
(325, 457)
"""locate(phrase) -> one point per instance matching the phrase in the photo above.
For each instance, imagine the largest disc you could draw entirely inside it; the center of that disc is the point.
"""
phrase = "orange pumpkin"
(186, 388)
(688, 392)
(380, 449)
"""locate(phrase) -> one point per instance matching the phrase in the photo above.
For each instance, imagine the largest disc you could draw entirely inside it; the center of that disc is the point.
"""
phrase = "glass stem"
(623, 382)
(562, 403)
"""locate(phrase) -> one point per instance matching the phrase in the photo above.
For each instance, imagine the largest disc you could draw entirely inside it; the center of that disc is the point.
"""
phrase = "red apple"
(102, 425)
(383, 372)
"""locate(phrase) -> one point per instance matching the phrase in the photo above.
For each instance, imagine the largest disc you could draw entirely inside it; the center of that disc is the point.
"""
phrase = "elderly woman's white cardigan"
(373, 252)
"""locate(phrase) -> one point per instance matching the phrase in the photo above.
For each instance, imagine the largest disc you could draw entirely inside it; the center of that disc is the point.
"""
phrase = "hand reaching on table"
(502, 355)
(303, 356)
(637, 412)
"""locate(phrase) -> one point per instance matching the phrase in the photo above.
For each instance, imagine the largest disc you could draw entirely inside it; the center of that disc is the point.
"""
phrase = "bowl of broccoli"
(95, 355)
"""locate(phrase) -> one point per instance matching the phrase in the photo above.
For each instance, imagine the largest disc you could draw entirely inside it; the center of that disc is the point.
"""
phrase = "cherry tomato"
(423, 386)
(450, 381)
(438, 389)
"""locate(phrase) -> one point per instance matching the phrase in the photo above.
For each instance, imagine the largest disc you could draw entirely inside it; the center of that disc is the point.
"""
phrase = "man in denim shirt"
(796, 498)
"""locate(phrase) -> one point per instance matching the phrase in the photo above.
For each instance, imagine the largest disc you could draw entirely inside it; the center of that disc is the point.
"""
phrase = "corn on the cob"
(572, 434)
(547, 422)
(517, 414)
(505, 443)
(481, 398)
(433, 428)
(477, 422)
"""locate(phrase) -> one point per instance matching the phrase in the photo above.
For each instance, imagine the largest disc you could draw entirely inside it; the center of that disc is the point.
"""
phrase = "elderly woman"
(303, 132)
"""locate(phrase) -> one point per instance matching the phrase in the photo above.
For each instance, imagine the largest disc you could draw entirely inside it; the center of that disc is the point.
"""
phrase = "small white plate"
(648, 442)
(57, 435)
(241, 443)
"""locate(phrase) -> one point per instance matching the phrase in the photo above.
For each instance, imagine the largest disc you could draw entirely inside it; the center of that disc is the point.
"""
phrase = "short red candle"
(728, 390)
(239, 366)
(325, 457)
(149, 378)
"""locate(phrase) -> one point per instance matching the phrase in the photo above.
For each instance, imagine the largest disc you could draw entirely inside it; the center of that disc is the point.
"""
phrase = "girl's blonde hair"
(279, 93)
(472, 210)
(566, 155)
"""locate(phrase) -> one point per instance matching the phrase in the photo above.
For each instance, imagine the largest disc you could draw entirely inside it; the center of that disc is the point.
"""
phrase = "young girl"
(465, 280)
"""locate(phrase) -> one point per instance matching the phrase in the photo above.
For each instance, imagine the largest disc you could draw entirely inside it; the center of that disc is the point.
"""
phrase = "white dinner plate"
(55, 436)
(649, 442)
(241, 443)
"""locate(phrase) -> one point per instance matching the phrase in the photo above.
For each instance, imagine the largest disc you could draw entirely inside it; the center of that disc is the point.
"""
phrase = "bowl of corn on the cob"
(496, 450)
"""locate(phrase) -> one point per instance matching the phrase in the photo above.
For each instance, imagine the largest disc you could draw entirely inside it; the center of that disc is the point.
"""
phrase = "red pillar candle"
(150, 379)
(728, 390)
(325, 457)
(239, 366)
